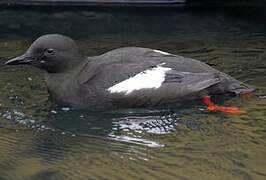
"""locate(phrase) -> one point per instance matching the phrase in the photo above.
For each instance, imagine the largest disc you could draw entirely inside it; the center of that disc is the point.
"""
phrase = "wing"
(187, 83)
(144, 78)
(126, 62)
(176, 87)
(108, 74)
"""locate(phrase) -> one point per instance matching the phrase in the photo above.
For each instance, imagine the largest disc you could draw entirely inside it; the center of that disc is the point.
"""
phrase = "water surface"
(40, 140)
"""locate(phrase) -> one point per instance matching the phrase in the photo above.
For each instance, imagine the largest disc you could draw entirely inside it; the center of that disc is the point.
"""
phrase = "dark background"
(190, 3)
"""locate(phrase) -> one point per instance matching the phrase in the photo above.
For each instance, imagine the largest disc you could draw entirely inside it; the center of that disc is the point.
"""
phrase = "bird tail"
(240, 88)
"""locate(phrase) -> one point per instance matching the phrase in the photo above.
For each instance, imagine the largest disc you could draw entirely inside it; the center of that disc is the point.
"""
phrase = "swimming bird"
(130, 77)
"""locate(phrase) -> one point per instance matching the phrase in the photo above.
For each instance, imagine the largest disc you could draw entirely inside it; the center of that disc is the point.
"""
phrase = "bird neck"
(73, 64)
(64, 83)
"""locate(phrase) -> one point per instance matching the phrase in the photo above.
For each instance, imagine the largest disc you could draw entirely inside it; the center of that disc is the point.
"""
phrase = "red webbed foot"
(213, 107)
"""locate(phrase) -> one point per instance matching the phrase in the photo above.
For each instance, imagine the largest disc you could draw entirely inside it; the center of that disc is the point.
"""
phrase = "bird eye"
(50, 50)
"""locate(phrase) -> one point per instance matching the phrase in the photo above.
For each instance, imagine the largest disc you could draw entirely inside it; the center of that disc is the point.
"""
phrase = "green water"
(40, 140)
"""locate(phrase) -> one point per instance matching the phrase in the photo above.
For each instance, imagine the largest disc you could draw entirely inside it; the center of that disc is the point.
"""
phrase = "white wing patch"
(151, 78)
(161, 52)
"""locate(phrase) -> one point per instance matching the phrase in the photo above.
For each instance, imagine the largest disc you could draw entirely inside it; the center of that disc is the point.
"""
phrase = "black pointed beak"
(23, 59)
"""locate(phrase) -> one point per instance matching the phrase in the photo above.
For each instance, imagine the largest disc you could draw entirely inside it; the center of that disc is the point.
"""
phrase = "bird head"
(53, 53)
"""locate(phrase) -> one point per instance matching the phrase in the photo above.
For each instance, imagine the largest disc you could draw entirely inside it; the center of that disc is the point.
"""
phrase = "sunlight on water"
(150, 124)
(135, 140)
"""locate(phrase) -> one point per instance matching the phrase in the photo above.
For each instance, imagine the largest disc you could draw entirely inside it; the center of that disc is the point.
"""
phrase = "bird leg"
(213, 107)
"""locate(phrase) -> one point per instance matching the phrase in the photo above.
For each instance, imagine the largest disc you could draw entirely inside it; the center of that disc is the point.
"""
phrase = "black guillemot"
(129, 77)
